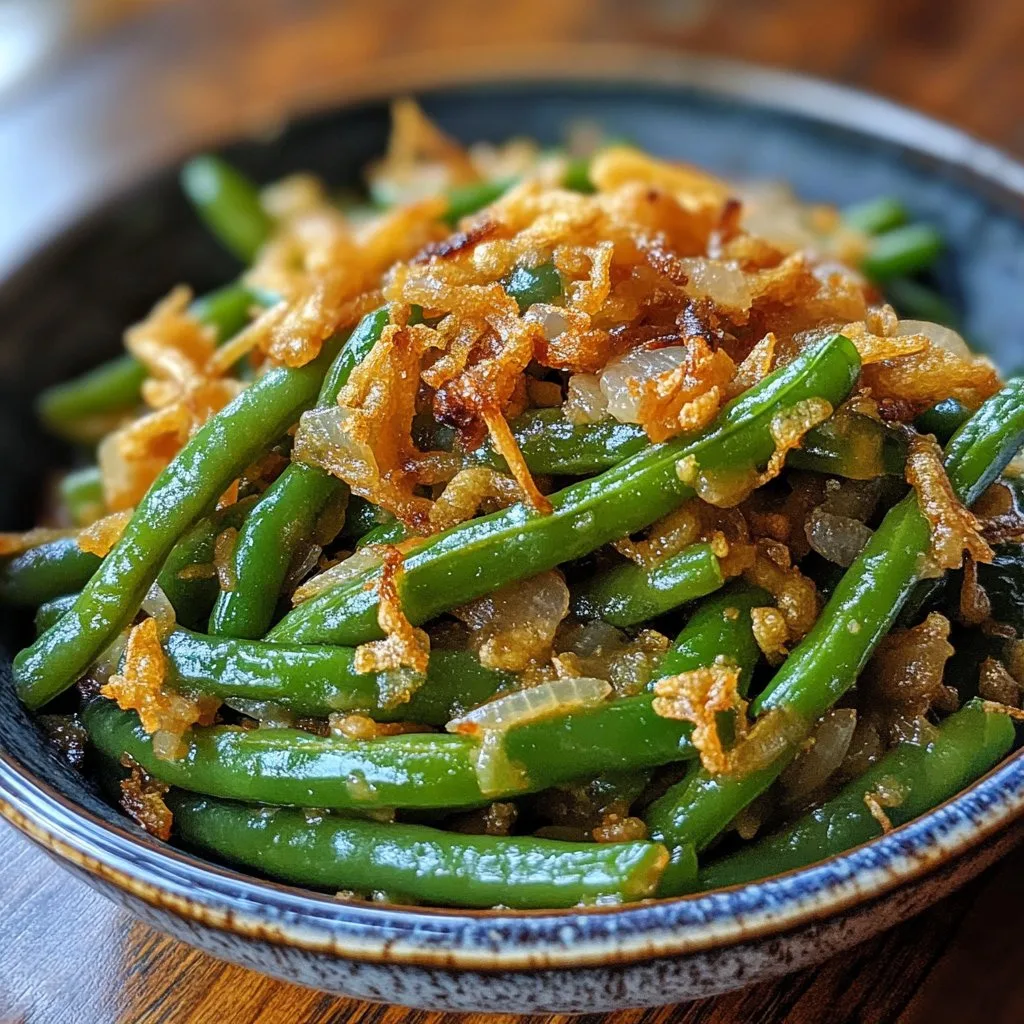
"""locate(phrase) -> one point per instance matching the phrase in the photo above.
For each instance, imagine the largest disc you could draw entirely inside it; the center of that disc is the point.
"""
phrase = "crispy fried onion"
(668, 390)
(699, 696)
(888, 793)
(771, 633)
(796, 596)
(142, 799)
(99, 537)
(141, 686)
(467, 491)
(366, 438)
(954, 529)
(182, 391)
(403, 646)
(514, 627)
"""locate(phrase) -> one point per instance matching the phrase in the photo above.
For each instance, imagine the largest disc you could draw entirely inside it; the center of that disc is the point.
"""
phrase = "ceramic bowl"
(64, 310)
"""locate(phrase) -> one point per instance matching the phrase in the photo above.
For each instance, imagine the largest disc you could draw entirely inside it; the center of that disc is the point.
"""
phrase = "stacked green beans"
(390, 758)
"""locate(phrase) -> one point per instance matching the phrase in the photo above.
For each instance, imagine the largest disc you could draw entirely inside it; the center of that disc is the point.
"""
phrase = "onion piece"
(495, 772)
(157, 605)
(558, 697)
(586, 402)
(622, 380)
(839, 539)
(939, 335)
(364, 560)
(827, 749)
(723, 283)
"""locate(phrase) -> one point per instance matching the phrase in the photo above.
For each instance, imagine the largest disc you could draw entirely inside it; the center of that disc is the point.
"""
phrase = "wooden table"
(66, 955)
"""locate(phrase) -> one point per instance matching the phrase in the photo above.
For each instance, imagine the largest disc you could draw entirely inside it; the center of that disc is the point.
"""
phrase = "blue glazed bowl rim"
(183, 884)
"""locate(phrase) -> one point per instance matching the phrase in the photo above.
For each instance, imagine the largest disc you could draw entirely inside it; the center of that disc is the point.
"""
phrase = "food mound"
(549, 527)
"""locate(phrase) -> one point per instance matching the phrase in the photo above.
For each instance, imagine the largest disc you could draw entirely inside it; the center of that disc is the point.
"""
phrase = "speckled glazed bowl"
(64, 310)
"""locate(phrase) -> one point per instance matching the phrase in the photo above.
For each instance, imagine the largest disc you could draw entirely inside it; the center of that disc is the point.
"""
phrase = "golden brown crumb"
(141, 686)
(954, 529)
(142, 799)
(615, 828)
(403, 645)
(770, 632)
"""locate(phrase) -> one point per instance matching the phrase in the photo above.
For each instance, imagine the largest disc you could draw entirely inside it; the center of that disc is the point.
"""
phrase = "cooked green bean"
(51, 610)
(628, 593)
(471, 559)
(46, 571)
(423, 770)
(527, 285)
(287, 514)
(853, 445)
(415, 862)
(466, 199)
(875, 216)
(81, 495)
(916, 301)
(320, 680)
(386, 533)
(552, 444)
(916, 776)
(184, 491)
(858, 614)
(362, 516)
(87, 407)
(943, 419)
(902, 251)
(228, 203)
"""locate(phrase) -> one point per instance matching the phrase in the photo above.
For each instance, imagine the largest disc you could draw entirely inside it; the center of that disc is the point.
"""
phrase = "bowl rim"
(488, 940)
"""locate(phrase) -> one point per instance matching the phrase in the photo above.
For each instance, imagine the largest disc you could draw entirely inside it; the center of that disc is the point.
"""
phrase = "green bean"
(436, 771)
(84, 409)
(628, 594)
(415, 862)
(916, 301)
(472, 559)
(967, 745)
(577, 176)
(902, 251)
(287, 514)
(859, 613)
(852, 445)
(81, 495)
(228, 203)
(51, 610)
(551, 444)
(719, 627)
(943, 419)
(45, 571)
(362, 516)
(413, 770)
(386, 533)
(192, 595)
(320, 680)
(466, 199)
(528, 285)
(875, 216)
(228, 442)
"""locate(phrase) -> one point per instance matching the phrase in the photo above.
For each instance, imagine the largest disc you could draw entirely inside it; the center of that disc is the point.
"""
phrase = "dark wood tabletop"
(68, 955)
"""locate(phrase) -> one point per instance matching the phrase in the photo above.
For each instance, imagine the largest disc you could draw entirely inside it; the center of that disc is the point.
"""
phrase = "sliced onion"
(586, 402)
(362, 561)
(624, 380)
(723, 283)
(829, 743)
(557, 697)
(837, 538)
(323, 441)
(940, 336)
(157, 604)
(514, 626)
(110, 659)
(553, 320)
(303, 562)
(266, 712)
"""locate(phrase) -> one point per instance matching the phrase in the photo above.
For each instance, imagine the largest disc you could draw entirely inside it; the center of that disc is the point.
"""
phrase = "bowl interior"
(65, 310)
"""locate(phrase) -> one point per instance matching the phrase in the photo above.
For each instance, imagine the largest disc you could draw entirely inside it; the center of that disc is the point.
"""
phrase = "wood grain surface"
(66, 954)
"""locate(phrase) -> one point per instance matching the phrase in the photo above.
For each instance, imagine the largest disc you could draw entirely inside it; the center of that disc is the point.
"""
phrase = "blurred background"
(94, 92)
